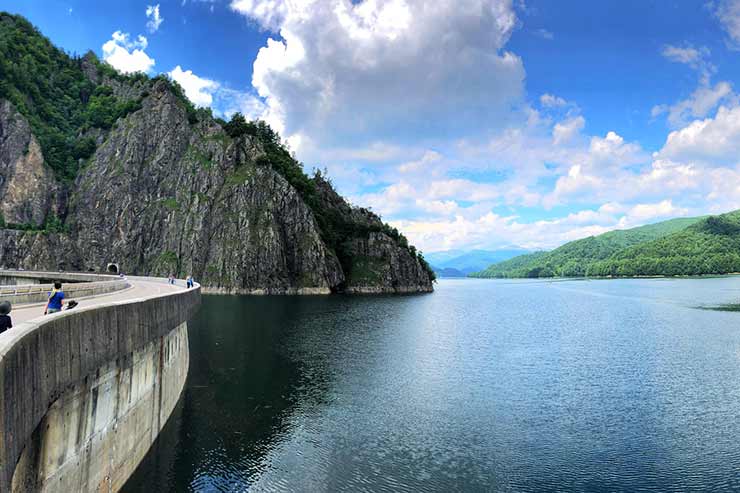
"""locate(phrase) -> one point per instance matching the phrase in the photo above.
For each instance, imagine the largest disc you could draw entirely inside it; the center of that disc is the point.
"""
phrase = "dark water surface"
(618, 385)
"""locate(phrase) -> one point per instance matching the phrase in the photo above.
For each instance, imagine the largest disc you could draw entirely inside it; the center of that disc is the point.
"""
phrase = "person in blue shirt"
(56, 297)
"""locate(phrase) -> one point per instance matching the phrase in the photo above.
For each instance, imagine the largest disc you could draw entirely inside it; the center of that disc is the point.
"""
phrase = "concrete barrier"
(39, 293)
(84, 393)
(28, 276)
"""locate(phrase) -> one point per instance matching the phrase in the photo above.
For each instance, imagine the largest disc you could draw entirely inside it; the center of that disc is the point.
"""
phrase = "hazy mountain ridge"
(460, 263)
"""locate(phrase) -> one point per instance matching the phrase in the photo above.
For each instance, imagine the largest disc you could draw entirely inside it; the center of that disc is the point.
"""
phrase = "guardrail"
(22, 296)
(57, 275)
(38, 293)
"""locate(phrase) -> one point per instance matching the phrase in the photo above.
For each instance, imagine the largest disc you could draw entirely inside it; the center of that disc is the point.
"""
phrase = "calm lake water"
(485, 385)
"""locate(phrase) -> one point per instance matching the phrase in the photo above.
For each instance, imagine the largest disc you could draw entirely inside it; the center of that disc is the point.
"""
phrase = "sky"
(467, 124)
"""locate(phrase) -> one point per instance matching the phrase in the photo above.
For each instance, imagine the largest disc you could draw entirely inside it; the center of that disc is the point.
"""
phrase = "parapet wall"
(33, 276)
(117, 369)
(39, 293)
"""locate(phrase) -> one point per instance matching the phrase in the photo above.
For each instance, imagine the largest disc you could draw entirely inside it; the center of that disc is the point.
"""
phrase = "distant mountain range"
(461, 263)
(684, 246)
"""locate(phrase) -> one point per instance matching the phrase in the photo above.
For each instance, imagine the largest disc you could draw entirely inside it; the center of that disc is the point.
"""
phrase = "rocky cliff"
(143, 179)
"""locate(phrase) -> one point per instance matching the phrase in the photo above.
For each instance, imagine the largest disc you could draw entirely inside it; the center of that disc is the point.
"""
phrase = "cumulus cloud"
(269, 14)
(567, 129)
(155, 20)
(343, 70)
(491, 230)
(198, 89)
(224, 101)
(127, 55)
(714, 140)
(551, 101)
(696, 172)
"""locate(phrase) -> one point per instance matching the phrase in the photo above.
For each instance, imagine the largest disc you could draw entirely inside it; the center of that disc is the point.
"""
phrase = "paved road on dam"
(140, 287)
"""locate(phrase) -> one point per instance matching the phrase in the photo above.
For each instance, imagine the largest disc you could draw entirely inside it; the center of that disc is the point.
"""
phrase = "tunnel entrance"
(112, 269)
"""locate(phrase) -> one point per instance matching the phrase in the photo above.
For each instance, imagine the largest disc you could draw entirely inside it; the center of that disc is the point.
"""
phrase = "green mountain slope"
(710, 246)
(579, 258)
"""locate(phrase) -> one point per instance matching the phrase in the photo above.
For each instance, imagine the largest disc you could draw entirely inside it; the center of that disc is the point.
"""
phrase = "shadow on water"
(240, 387)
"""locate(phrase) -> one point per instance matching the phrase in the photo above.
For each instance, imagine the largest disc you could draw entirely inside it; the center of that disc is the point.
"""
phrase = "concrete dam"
(85, 392)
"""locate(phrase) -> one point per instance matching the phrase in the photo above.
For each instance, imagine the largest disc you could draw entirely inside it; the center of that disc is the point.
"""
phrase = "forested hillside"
(588, 256)
(710, 246)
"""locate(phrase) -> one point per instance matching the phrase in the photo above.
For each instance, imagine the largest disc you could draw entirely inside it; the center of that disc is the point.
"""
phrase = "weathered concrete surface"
(76, 362)
(40, 293)
(29, 276)
(96, 433)
(17, 281)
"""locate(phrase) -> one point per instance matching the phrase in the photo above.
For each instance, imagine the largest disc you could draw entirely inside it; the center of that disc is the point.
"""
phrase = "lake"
(484, 385)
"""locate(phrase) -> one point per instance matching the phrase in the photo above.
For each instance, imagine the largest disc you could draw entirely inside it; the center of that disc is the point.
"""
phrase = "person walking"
(189, 282)
(5, 321)
(56, 298)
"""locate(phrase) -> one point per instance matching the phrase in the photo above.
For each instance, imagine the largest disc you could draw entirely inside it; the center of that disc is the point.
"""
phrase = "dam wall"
(84, 393)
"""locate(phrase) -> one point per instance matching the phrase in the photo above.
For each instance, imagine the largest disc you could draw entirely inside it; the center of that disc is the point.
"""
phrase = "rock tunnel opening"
(112, 268)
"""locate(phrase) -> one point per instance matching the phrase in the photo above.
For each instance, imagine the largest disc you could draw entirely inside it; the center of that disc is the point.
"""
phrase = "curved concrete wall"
(84, 393)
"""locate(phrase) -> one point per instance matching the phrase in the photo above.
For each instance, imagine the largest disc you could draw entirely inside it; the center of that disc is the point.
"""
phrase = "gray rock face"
(28, 190)
(162, 195)
(374, 263)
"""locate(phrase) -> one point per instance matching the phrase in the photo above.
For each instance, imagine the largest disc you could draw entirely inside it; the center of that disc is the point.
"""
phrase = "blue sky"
(466, 123)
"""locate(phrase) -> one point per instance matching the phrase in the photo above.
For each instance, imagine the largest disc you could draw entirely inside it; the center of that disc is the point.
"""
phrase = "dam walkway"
(139, 288)
(85, 392)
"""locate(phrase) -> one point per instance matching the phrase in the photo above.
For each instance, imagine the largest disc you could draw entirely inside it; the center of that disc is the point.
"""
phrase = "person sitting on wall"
(56, 297)
(5, 321)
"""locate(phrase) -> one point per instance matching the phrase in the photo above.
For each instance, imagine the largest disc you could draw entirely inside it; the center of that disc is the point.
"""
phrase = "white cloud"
(125, 55)
(705, 97)
(198, 89)
(420, 164)
(270, 14)
(612, 150)
(567, 129)
(223, 100)
(643, 213)
(696, 172)
(728, 13)
(228, 101)
(702, 101)
(491, 230)
(155, 20)
(345, 70)
(551, 101)
(688, 55)
(712, 140)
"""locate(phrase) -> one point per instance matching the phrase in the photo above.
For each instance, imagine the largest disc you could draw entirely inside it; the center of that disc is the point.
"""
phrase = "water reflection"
(240, 388)
(481, 386)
